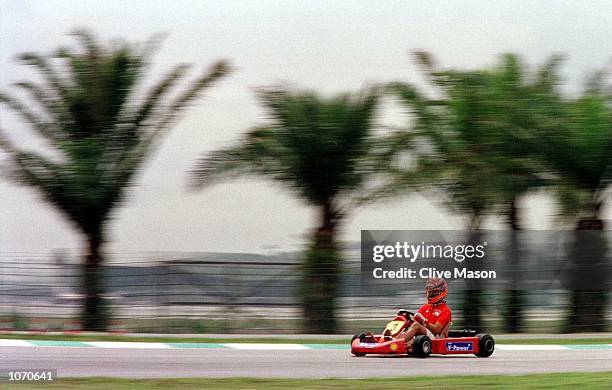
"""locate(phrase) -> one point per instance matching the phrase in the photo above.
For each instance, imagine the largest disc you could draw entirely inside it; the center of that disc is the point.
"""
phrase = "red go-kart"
(391, 341)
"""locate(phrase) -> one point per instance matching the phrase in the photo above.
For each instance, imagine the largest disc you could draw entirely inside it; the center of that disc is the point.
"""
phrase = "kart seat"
(444, 333)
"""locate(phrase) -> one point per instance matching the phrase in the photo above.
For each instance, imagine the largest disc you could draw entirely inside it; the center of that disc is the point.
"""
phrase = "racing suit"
(439, 313)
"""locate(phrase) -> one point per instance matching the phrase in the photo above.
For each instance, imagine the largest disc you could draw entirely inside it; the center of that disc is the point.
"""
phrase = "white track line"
(265, 347)
(126, 345)
(524, 347)
(14, 343)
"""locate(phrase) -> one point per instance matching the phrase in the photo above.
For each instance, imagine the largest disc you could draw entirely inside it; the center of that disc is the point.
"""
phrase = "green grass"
(572, 381)
(275, 340)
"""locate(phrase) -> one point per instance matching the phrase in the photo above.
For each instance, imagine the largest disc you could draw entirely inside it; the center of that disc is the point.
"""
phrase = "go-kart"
(391, 341)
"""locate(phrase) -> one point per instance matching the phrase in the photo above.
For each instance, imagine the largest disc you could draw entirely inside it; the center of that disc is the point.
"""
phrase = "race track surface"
(148, 363)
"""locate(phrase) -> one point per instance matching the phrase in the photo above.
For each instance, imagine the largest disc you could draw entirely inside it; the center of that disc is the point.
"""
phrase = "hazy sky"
(328, 46)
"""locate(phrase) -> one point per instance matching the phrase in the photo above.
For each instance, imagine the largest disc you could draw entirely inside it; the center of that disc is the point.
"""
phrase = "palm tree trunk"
(514, 298)
(93, 316)
(321, 276)
(588, 305)
(472, 296)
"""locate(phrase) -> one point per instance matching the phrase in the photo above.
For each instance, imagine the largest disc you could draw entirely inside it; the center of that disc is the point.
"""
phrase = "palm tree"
(101, 130)
(580, 152)
(524, 110)
(482, 133)
(319, 148)
(453, 126)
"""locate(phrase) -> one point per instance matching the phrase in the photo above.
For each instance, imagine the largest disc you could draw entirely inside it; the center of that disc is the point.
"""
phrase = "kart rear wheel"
(486, 345)
(421, 347)
(358, 336)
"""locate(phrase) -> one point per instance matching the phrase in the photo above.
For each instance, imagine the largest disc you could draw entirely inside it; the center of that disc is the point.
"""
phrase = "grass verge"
(599, 380)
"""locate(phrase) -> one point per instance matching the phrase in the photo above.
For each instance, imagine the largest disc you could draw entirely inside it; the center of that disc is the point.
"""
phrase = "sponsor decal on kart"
(459, 346)
(368, 345)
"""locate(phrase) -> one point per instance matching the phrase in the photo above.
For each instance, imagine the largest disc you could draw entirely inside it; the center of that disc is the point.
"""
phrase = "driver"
(433, 317)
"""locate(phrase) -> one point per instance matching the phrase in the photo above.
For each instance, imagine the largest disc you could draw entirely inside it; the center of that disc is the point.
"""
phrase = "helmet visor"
(433, 292)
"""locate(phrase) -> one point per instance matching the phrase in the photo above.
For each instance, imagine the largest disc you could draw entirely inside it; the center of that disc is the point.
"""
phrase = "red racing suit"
(439, 313)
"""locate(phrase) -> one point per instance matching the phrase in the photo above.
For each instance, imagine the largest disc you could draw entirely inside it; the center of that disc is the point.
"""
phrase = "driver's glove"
(418, 317)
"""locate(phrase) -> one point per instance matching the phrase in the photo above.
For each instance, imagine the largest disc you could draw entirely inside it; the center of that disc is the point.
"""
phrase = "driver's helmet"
(436, 290)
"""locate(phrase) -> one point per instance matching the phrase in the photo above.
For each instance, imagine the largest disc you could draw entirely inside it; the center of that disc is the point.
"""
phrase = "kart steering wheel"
(406, 313)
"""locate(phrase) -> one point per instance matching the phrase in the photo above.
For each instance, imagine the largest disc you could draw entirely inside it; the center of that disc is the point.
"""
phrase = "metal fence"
(214, 293)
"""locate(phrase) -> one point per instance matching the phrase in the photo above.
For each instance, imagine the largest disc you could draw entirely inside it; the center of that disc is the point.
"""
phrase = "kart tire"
(486, 345)
(358, 336)
(421, 347)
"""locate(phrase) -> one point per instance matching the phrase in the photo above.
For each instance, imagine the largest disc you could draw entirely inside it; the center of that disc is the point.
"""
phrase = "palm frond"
(88, 41)
(208, 78)
(47, 129)
(258, 153)
(152, 101)
(88, 111)
(51, 105)
(59, 86)
(318, 147)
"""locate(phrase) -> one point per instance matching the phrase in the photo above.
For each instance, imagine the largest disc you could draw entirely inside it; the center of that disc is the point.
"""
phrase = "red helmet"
(436, 290)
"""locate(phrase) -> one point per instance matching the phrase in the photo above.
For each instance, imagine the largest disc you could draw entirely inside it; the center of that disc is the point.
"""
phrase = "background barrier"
(224, 293)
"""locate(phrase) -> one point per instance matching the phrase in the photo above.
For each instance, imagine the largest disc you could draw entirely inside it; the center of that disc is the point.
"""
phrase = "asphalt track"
(315, 363)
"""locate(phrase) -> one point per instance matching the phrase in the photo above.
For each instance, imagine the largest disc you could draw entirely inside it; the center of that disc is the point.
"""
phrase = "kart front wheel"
(486, 345)
(421, 347)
